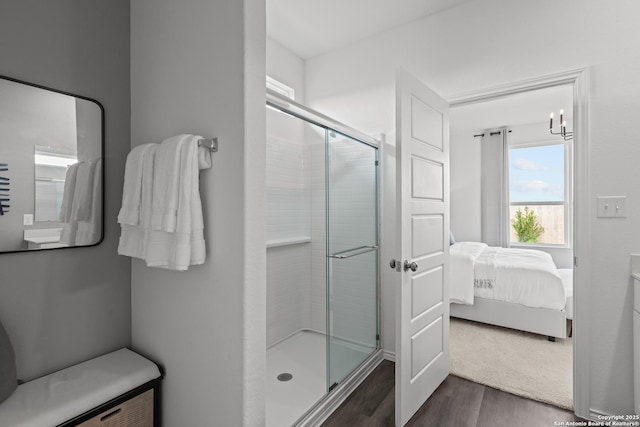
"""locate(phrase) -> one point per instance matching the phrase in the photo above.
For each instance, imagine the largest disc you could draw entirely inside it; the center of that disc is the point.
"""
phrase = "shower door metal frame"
(289, 106)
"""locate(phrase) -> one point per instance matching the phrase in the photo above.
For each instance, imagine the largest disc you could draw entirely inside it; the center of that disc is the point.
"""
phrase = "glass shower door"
(352, 254)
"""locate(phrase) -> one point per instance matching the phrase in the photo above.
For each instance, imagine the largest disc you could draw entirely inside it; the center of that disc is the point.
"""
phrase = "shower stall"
(322, 262)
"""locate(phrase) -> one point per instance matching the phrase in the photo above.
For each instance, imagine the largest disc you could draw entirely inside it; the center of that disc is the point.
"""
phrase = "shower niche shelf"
(289, 241)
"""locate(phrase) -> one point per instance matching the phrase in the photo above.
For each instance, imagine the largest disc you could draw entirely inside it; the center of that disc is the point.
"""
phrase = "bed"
(515, 288)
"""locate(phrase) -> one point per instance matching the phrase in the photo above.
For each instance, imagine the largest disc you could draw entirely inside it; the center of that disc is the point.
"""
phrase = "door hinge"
(377, 162)
(377, 337)
(575, 261)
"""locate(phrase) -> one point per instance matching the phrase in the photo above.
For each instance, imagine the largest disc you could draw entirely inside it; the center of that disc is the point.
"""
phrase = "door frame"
(579, 79)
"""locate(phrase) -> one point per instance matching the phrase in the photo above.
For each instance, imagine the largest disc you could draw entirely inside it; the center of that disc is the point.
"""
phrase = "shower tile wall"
(287, 182)
(288, 219)
(288, 290)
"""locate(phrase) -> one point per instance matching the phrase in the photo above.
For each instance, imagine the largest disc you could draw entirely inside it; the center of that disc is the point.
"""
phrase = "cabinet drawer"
(135, 412)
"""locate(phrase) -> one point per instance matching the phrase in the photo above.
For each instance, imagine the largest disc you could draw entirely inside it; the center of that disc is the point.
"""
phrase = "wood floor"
(456, 403)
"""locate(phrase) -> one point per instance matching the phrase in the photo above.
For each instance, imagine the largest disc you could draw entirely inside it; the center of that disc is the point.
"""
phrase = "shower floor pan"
(300, 360)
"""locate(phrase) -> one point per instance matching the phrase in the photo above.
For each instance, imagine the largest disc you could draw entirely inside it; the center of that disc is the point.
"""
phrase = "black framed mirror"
(51, 168)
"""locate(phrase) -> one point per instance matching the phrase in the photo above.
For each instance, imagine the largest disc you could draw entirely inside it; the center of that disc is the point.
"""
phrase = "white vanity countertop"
(46, 239)
(43, 235)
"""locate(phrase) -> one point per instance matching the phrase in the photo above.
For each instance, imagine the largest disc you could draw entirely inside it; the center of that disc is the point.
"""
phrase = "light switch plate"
(27, 219)
(612, 206)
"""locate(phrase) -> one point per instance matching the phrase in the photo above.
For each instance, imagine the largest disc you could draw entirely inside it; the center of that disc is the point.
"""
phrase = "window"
(539, 194)
(281, 88)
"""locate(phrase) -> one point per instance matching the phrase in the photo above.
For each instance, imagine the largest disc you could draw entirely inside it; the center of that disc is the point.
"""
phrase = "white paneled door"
(422, 198)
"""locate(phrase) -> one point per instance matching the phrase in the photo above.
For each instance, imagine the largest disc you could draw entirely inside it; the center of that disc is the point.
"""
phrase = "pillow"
(452, 240)
(8, 377)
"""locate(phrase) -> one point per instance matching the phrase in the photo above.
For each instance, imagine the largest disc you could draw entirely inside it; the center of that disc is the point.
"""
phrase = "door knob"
(410, 266)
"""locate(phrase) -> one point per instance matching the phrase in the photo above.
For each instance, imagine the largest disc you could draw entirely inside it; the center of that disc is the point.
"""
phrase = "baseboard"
(601, 417)
(389, 355)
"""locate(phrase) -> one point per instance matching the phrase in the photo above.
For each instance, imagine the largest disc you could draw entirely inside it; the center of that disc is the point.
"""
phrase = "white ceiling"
(312, 27)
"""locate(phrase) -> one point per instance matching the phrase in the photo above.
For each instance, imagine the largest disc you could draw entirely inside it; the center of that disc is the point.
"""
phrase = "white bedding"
(523, 276)
(462, 259)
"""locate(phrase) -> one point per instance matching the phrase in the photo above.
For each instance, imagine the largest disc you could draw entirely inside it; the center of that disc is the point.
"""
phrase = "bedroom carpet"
(517, 362)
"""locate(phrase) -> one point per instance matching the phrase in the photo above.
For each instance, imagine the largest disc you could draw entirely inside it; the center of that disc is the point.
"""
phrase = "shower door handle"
(410, 266)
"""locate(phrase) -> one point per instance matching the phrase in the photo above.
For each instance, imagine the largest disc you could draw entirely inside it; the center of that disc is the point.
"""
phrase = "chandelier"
(567, 136)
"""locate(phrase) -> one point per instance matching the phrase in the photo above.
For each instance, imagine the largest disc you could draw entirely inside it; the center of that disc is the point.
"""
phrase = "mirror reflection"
(51, 173)
(50, 165)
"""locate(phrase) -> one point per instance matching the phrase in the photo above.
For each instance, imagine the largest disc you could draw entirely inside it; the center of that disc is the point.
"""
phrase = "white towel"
(67, 195)
(133, 237)
(80, 202)
(198, 250)
(131, 193)
(89, 230)
(185, 245)
(83, 191)
(170, 231)
(166, 182)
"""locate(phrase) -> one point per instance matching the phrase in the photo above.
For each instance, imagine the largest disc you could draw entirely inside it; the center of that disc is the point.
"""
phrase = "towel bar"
(211, 144)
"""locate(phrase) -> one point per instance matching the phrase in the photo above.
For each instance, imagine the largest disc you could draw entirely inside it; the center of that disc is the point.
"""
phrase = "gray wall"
(66, 305)
(198, 66)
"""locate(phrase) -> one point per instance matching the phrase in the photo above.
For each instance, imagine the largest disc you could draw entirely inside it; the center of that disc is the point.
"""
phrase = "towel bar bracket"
(211, 144)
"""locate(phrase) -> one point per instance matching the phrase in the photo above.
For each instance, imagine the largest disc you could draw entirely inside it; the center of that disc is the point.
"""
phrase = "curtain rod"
(490, 134)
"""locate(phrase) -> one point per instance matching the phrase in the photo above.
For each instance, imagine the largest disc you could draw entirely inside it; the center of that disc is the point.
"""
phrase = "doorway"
(465, 157)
